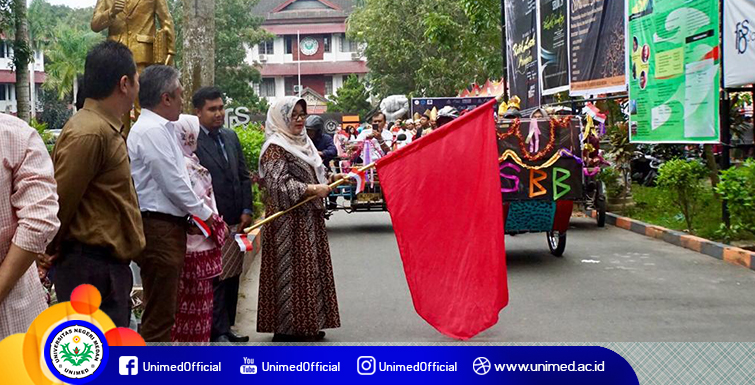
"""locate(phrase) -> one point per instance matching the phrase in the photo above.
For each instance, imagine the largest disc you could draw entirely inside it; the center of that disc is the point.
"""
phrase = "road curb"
(727, 253)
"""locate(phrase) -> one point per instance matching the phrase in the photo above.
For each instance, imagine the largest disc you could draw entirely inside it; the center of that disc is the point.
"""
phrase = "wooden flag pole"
(313, 197)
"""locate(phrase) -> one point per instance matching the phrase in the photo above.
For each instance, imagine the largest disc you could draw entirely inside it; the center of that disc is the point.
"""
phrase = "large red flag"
(444, 195)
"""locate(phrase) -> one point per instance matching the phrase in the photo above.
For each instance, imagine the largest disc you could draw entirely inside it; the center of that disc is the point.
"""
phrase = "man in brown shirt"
(101, 225)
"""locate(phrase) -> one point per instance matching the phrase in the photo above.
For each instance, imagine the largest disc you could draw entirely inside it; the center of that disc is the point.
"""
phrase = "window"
(347, 45)
(289, 44)
(328, 85)
(3, 91)
(267, 87)
(326, 43)
(290, 83)
(266, 48)
(2, 49)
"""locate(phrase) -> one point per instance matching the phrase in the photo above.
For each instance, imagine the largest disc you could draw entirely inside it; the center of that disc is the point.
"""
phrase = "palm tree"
(66, 58)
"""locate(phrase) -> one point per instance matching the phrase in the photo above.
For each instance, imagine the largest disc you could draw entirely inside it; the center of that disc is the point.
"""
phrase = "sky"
(73, 3)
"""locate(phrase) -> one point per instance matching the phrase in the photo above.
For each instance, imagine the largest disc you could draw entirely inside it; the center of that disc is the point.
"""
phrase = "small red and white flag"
(245, 244)
(360, 177)
(206, 231)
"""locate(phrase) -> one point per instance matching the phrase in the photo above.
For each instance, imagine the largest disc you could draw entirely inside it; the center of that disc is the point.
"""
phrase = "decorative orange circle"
(76, 339)
(86, 299)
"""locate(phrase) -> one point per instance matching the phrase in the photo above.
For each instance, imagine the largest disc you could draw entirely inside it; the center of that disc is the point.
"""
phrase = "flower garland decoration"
(514, 130)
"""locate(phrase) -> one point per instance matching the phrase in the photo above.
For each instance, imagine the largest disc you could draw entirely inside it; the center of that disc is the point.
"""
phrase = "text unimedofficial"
(182, 367)
(302, 367)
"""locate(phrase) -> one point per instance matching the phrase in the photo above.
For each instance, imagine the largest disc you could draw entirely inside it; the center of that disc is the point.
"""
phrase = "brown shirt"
(98, 204)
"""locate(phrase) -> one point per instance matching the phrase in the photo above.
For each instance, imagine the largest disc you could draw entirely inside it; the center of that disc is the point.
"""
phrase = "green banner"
(674, 71)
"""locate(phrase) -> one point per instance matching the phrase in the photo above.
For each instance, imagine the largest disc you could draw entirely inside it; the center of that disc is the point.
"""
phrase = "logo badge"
(76, 352)
(128, 366)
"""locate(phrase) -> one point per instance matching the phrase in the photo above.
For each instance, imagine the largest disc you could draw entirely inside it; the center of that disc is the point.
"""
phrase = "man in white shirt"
(381, 139)
(166, 198)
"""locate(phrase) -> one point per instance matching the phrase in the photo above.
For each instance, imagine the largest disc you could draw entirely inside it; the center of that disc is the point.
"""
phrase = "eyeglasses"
(296, 117)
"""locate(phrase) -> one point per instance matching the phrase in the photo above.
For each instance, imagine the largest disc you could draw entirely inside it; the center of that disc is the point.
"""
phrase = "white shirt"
(159, 170)
(408, 137)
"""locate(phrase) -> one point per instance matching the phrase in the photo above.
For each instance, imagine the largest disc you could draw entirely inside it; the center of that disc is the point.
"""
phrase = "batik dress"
(297, 294)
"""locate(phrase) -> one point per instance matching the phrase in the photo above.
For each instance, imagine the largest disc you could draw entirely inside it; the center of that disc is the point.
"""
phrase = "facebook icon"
(128, 366)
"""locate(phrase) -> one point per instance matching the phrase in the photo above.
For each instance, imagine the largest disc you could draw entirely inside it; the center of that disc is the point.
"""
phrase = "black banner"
(597, 46)
(521, 51)
(527, 175)
(553, 58)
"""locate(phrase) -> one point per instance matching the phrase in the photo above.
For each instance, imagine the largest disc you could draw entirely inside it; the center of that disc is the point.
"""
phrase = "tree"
(22, 54)
(198, 65)
(67, 56)
(351, 98)
(236, 29)
(449, 45)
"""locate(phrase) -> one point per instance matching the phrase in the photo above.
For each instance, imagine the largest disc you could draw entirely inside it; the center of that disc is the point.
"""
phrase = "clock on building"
(309, 46)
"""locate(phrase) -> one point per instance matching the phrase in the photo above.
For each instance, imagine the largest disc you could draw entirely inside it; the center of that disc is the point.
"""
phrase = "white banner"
(739, 42)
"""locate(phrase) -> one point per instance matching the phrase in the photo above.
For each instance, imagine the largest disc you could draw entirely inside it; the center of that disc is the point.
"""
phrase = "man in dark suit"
(219, 150)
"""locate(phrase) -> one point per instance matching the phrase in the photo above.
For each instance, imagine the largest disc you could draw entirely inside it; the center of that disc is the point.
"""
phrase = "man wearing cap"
(323, 142)
(325, 147)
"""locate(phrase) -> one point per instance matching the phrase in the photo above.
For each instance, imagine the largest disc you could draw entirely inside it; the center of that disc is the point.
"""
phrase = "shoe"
(320, 336)
(223, 338)
(235, 337)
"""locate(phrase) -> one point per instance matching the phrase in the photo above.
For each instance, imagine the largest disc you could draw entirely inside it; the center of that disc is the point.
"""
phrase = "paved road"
(611, 285)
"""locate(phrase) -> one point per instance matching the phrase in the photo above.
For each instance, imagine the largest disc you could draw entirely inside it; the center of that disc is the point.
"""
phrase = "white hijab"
(278, 132)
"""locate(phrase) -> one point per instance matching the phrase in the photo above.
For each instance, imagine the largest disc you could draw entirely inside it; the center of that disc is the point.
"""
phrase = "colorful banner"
(674, 60)
(596, 46)
(739, 43)
(553, 60)
(540, 162)
(521, 42)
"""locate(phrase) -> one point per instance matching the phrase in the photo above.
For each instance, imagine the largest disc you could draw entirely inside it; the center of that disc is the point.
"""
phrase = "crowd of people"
(168, 195)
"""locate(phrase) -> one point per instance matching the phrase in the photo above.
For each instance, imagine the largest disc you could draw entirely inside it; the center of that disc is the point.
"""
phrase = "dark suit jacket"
(232, 183)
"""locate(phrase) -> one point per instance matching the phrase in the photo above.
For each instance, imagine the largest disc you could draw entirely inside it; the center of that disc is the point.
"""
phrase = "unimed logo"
(128, 366)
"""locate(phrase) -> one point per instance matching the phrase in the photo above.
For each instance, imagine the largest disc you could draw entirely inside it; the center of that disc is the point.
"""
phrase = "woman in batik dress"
(297, 294)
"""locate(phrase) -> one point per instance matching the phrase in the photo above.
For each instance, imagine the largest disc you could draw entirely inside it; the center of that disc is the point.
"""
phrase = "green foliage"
(55, 113)
(654, 205)
(44, 18)
(621, 151)
(610, 177)
(46, 136)
(351, 98)
(737, 186)
(682, 180)
(67, 55)
(252, 137)
(428, 47)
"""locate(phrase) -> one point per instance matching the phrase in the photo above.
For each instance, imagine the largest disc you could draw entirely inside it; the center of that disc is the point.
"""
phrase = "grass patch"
(654, 206)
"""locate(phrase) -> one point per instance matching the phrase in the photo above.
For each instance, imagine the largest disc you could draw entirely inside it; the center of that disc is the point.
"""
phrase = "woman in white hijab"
(203, 258)
(297, 295)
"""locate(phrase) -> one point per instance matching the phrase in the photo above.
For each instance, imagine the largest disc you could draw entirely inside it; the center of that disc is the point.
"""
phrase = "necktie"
(215, 136)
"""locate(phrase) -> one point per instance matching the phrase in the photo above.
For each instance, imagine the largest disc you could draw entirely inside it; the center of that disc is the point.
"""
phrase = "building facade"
(310, 44)
(8, 78)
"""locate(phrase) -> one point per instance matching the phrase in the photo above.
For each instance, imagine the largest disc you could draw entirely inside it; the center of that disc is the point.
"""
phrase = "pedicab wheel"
(600, 205)
(556, 243)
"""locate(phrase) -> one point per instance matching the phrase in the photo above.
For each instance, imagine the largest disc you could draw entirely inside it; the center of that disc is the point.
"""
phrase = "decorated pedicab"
(541, 172)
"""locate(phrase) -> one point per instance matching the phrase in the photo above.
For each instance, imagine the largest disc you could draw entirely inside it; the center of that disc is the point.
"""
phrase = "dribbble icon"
(128, 366)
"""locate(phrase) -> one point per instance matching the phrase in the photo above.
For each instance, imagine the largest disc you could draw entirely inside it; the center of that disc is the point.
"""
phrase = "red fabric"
(444, 195)
(563, 215)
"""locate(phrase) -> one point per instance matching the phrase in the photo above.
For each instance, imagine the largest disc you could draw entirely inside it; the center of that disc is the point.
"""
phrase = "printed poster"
(674, 77)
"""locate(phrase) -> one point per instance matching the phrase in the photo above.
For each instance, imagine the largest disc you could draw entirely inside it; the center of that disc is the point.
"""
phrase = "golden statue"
(132, 22)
